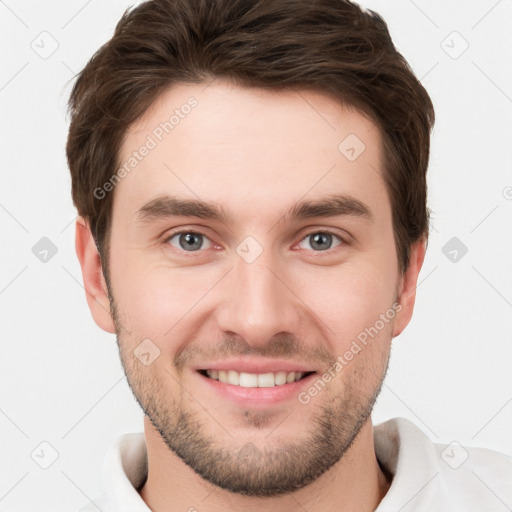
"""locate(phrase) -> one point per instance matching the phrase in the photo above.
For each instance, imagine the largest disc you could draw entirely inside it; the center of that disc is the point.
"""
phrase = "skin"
(256, 153)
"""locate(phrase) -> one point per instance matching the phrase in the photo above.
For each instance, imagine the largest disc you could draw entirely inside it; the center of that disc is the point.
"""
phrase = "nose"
(257, 302)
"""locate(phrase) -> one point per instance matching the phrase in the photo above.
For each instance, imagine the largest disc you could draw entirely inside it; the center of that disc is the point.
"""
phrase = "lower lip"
(258, 396)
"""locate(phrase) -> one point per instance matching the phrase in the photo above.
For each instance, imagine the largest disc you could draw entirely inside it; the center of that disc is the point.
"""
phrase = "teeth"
(266, 380)
(280, 378)
(233, 378)
(248, 380)
(253, 380)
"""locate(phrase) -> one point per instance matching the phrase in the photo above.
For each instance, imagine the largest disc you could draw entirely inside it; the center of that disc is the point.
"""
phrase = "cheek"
(348, 300)
(155, 299)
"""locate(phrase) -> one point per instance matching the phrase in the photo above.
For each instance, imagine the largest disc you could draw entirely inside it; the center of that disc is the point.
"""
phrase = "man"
(251, 184)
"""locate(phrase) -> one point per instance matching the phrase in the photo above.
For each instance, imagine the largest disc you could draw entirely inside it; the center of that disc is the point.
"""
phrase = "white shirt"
(427, 477)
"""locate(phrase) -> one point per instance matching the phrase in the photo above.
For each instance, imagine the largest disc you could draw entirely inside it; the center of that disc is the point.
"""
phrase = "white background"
(62, 381)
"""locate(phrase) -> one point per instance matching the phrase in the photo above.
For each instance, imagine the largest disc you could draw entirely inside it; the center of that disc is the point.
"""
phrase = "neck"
(355, 483)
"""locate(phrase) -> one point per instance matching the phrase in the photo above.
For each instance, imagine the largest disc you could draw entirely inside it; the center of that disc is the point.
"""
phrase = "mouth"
(254, 386)
(255, 380)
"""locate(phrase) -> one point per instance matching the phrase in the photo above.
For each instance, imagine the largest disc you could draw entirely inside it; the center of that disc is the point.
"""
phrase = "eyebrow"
(330, 206)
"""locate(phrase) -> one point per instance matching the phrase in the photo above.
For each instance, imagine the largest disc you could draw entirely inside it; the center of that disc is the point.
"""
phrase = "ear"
(407, 288)
(92, 273)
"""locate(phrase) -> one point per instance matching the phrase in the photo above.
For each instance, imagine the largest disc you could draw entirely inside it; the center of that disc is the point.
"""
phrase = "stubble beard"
(244, 468)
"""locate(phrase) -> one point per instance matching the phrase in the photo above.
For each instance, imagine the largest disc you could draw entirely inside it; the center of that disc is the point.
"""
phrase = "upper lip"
(252, 365)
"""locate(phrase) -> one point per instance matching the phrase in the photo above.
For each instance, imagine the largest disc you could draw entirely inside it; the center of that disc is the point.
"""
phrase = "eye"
(189, 241)
(320, 241)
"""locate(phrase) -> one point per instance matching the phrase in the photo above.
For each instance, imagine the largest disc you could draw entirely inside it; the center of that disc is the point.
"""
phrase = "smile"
(255, 380)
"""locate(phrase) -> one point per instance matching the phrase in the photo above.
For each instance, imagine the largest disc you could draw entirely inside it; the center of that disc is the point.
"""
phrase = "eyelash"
(343, 241)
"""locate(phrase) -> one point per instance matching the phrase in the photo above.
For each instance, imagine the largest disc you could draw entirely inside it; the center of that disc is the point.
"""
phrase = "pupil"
(190, 241)
(321, 238)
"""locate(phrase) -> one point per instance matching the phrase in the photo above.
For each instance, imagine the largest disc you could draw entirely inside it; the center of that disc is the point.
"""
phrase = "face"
(254, 280)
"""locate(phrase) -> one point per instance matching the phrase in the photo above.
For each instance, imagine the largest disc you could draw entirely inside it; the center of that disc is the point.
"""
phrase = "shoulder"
(441, 477)
(479, 476)
(124, 470)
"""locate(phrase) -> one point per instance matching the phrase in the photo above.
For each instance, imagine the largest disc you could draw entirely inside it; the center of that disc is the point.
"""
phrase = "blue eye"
(189, 241)
(321, 241)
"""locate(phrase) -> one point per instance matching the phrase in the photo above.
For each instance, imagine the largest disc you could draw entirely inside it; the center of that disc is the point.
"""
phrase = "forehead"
(250, 150)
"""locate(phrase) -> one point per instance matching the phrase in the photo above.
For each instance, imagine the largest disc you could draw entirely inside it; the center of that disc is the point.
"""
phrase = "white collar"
(422, 480)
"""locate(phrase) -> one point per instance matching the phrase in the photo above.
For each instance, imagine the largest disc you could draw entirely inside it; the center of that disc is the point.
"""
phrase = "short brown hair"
(330, 46)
